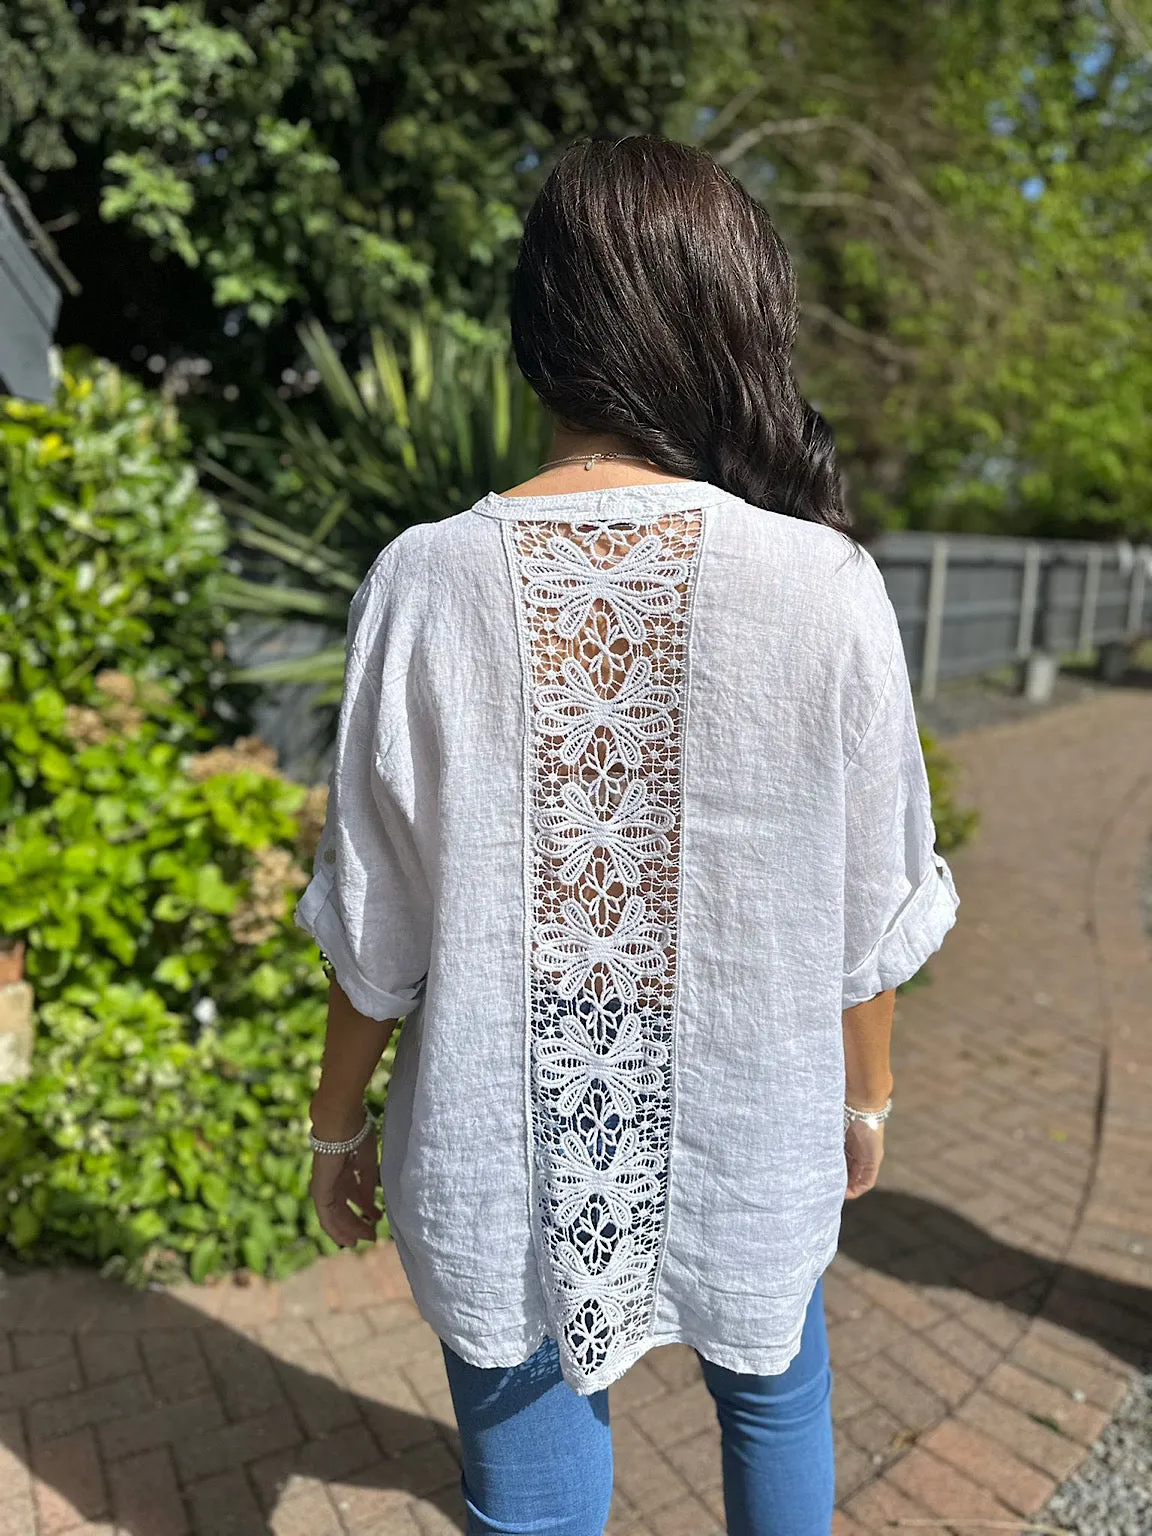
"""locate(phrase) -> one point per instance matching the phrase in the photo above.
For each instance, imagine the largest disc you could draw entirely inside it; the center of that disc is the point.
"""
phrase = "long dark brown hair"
(654, 300)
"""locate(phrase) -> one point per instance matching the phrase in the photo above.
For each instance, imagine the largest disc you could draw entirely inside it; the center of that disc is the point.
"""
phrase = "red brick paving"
(984, 1310)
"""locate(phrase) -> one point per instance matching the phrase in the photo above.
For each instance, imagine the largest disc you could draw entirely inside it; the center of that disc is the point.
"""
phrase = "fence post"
(1024, 631)
(1135, 597)
(934, 619)
(1041, 664)
(1091, 592)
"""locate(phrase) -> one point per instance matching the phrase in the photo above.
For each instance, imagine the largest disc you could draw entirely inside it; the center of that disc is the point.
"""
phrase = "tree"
(966, 189)
(217, 173)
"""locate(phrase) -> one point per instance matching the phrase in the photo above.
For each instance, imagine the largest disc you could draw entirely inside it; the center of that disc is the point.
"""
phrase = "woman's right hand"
(864, 1150)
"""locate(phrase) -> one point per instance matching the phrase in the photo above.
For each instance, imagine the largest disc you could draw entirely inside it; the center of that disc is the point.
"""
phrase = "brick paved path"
(983, 1311)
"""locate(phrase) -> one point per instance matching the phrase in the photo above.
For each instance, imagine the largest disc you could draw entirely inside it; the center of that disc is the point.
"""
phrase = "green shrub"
(109, 550)
(180, 1020)
(954, 824)
(149, 870)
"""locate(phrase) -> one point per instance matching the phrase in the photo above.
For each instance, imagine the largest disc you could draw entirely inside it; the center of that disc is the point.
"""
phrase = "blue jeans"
(538, 1457)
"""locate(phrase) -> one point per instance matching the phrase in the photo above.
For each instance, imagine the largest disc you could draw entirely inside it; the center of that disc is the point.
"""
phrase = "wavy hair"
(653, 299)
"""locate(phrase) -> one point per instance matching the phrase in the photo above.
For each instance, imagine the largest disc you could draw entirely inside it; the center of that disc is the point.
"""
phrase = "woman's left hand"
(341, 1180)
(864, 1150)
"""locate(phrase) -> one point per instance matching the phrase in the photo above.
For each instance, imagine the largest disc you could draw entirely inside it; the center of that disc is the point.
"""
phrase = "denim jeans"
(537, 1457)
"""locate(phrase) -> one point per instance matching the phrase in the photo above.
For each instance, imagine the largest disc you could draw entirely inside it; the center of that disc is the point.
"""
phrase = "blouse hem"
(744, 1359)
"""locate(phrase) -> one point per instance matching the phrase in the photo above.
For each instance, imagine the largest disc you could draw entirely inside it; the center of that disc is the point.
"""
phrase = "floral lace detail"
(605, 611)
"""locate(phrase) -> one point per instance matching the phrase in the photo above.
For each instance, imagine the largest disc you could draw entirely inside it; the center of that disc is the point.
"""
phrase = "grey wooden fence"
(969, 603)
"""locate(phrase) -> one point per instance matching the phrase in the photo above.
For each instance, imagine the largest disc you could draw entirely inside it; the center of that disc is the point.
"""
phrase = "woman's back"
(629, 804)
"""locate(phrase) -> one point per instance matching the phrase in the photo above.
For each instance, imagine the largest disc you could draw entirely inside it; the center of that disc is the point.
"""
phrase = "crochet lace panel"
(605, 617)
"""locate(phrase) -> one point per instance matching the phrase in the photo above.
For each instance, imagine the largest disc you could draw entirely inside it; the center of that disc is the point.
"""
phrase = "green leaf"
(174, 971)
(205, 1259)
(255, 1251)
(215, 1192)
(147, 1226)
(23, 1227)
(120, 1106)
(213, 892)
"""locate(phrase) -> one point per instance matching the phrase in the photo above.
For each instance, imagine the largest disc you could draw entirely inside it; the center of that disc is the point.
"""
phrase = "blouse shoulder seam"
(883, 689)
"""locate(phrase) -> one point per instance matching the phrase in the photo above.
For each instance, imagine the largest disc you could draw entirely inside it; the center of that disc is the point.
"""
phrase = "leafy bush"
(955, 825)
(109, 550)
(149, 869)
(180, 1014)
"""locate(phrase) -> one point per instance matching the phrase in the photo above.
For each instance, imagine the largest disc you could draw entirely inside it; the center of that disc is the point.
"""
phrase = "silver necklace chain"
(588, 459)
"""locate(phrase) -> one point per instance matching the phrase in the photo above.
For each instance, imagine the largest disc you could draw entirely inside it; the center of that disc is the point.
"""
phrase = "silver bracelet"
(872, 1118)
(340, 1147)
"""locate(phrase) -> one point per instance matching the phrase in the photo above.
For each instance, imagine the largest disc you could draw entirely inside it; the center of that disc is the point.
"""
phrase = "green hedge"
(180, 1015)
(955, 824)
(109, 550)
(149, 869)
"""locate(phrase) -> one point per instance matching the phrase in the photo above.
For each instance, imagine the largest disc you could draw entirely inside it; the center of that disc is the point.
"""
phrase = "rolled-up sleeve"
(899, 895)
(367, 904)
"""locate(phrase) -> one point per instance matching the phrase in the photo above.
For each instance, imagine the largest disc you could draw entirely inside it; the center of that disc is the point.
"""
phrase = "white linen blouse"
(628, 805)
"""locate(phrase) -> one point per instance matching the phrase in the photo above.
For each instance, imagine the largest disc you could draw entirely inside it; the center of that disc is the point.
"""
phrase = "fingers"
(365, 1172)
(343, 1226)
(344, 1191)
(864, 1151)
(861, 1178)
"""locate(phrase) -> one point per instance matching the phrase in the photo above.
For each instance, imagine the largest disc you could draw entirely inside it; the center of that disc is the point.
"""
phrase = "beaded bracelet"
(872, 1118)
(341, 1147)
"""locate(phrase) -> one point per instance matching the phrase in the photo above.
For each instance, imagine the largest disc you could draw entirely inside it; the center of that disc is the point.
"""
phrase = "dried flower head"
(117, 685)
(246, 754)
(125, 718)
(273, 873)
(310, 821)
(85, 727)
(152, 695)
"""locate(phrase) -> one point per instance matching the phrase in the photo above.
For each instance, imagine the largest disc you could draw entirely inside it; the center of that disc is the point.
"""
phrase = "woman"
(630, 824)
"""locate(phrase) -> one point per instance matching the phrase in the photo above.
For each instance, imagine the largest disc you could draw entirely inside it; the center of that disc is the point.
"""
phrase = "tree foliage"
(966, 188)
(342, 159)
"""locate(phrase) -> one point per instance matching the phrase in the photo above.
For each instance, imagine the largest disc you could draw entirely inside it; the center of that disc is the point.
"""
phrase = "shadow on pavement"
(150, 1375)
(926, 1244)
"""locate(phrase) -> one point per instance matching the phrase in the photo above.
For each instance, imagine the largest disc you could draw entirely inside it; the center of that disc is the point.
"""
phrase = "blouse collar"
(640, 502)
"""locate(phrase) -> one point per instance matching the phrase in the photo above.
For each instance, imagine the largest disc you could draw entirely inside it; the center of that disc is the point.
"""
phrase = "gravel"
(1110, 1494)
